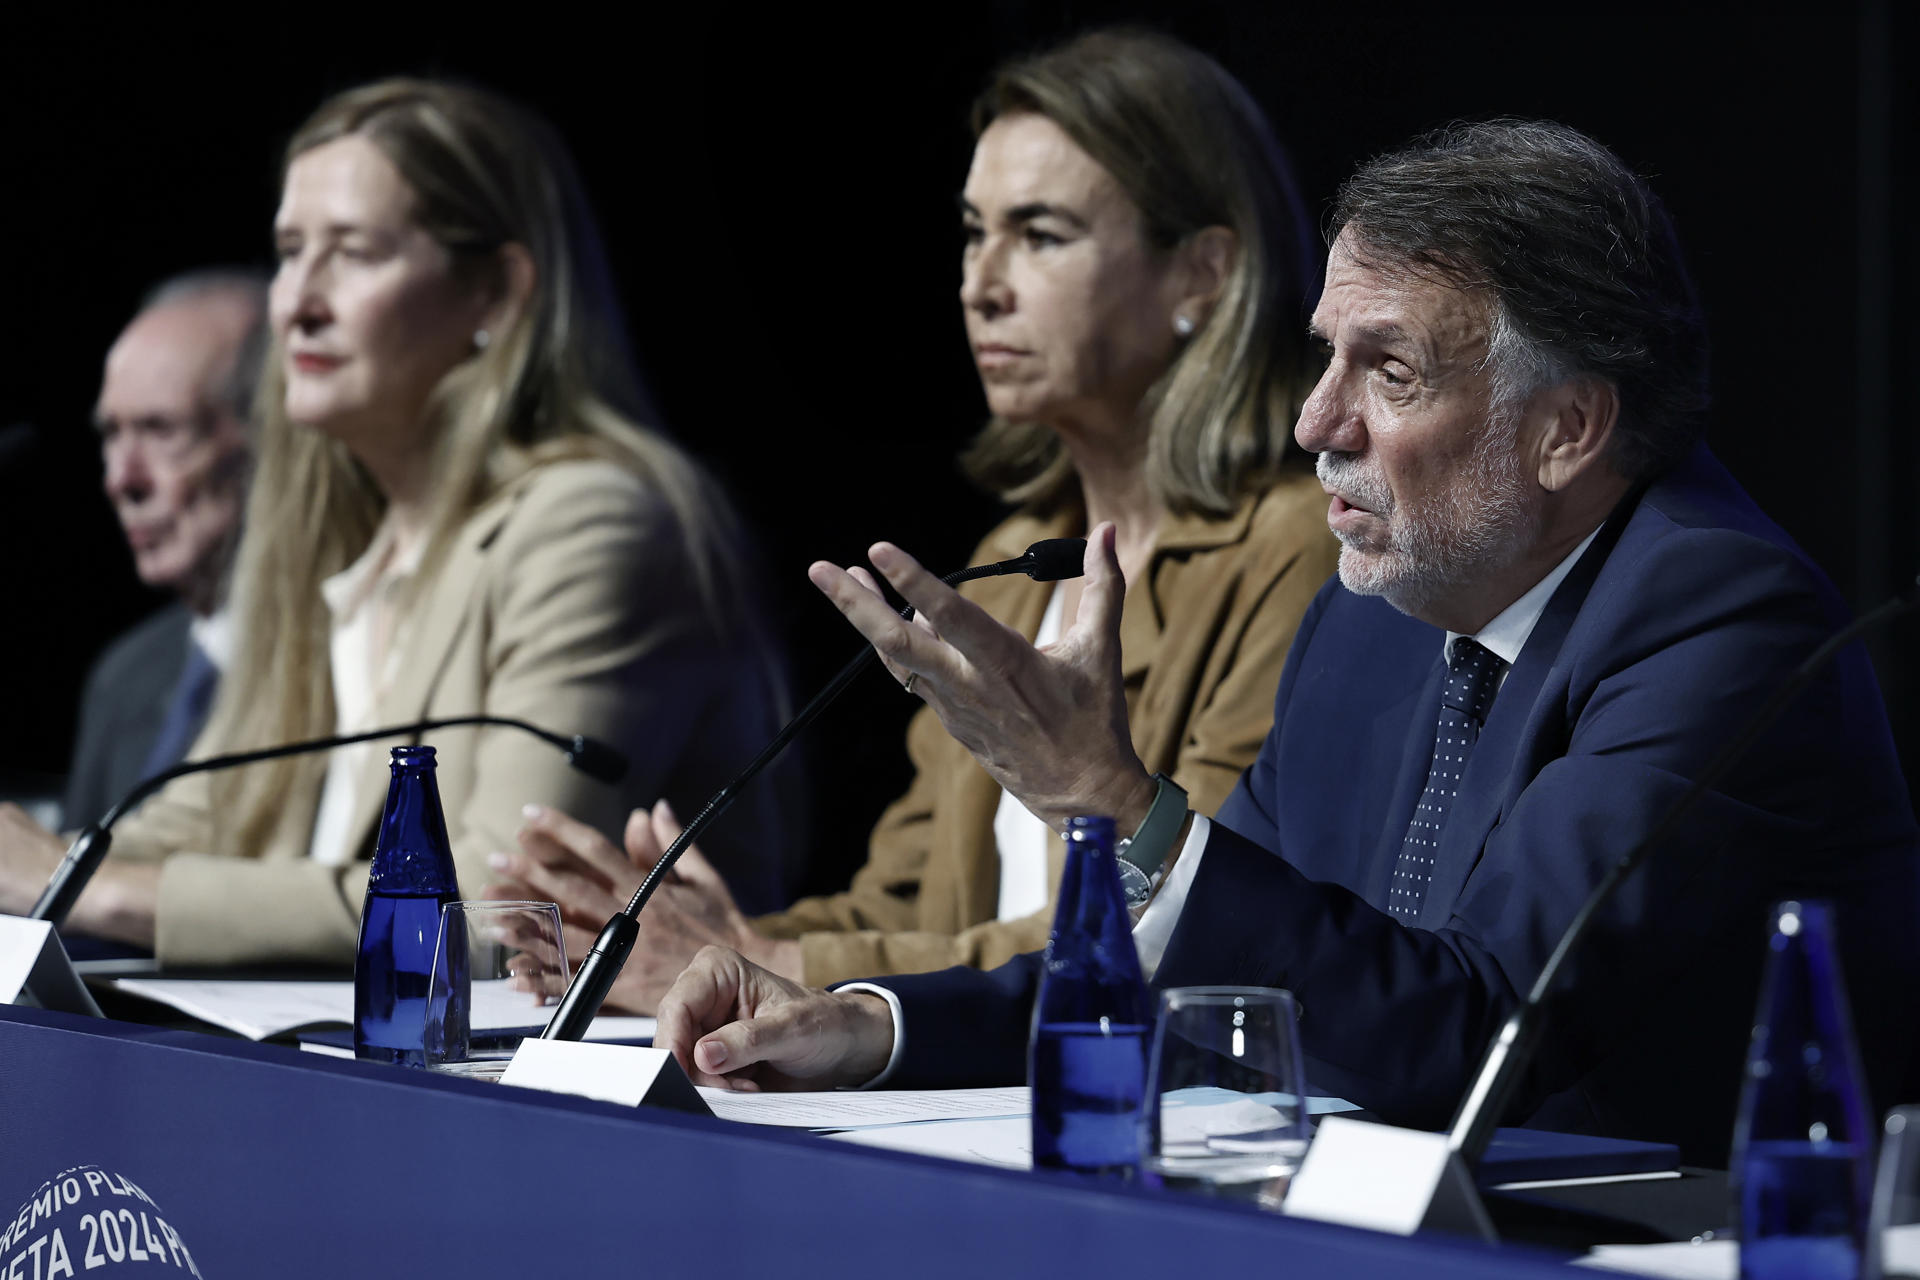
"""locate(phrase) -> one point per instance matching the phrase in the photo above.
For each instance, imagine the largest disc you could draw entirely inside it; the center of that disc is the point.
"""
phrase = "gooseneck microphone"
(1049, 560)
(1512, 1050)
(589, 755)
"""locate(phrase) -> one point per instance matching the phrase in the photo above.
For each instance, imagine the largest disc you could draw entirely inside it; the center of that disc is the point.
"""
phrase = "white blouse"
(368, 637)
(1021, 837)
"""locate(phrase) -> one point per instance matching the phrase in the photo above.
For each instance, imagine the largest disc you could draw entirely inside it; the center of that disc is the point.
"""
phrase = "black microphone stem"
(83, 858)
(1046, 561)
(1512, 1050)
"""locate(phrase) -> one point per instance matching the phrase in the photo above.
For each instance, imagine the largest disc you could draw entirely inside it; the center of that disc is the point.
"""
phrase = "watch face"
(1134, 883)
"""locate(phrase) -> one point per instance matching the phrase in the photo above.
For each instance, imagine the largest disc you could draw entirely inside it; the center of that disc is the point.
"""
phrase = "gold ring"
(911, 677)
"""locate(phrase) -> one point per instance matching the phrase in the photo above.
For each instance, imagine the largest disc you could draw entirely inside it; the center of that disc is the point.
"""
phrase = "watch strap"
(1147, 848)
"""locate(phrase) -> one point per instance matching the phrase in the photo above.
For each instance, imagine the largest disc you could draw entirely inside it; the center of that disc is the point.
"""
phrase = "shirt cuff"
(899, 1028)
(1155, 930)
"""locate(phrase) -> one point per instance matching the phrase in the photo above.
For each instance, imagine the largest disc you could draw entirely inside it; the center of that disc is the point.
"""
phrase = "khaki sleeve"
(874, 953)
(175, 817)
(218, 910)
(234, 911)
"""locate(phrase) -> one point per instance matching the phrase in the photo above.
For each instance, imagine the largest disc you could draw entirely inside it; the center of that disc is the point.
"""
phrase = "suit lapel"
(1515, 725)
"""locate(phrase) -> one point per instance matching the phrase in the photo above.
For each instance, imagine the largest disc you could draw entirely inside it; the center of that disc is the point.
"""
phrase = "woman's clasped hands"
(563, 860)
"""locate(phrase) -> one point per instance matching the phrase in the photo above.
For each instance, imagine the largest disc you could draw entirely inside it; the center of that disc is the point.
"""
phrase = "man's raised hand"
(1049, 724)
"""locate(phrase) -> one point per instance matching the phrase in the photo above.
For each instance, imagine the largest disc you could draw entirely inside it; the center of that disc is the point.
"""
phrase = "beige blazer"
(565, 601)
(1202, 638)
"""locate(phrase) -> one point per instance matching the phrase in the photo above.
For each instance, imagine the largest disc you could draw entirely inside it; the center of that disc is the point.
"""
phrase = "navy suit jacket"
(1689, 608)
(129, 690)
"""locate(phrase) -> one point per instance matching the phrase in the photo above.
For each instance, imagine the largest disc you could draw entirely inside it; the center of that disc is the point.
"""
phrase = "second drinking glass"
(1225, 1108)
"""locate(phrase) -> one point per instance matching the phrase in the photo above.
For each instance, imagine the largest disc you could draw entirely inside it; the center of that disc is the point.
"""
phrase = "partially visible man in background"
(173, 418)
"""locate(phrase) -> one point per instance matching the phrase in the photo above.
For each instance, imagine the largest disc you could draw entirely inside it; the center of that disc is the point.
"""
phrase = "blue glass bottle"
(412, 876)
(1803, 1150)
(1093, 1020)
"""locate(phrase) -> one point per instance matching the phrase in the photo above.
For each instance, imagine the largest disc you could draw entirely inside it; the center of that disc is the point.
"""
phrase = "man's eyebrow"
(1379, 334)
(1384, 333)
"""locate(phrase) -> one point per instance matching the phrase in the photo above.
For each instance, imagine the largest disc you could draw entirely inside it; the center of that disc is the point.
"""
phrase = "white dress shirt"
(213, 636)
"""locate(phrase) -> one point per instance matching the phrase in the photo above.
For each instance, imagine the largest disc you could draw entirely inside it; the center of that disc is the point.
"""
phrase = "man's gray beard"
(1480, 525)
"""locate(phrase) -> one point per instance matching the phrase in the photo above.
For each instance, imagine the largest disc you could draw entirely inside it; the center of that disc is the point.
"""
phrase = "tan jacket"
(1202, 646)
(566, 602)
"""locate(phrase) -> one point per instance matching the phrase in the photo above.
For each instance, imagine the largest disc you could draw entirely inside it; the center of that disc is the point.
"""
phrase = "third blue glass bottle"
(1803, 1149)
(1093, 1020)
(411, 878)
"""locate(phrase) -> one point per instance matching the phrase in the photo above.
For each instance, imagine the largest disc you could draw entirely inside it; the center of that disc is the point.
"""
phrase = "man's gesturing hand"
(1049, 724)
(734, 1025)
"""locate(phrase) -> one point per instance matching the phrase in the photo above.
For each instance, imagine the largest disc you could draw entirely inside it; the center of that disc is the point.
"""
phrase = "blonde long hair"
(557, 384)
(1192, 150)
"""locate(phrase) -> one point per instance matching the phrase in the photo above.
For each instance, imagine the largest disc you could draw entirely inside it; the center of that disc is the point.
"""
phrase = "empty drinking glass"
(1225, 1109)
(498, 970)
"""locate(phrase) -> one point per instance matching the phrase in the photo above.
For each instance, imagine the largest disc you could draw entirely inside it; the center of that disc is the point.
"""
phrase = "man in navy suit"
(1553, 608)
(176, 450)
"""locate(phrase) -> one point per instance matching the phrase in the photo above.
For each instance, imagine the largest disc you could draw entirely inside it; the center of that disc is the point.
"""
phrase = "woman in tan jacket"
(1132, 284)
(456, 512)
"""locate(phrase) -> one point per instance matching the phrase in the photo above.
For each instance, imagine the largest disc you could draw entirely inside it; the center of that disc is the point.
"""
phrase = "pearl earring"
(480, 339)
(1183, 325)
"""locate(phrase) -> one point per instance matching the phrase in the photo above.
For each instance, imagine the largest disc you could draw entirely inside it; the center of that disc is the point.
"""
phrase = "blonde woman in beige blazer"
(1132, 287)
(455, 512)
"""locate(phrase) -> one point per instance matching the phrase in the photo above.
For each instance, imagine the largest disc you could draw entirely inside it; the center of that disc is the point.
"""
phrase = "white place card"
(35, 971)
(626, 1075)
(1385, 1179)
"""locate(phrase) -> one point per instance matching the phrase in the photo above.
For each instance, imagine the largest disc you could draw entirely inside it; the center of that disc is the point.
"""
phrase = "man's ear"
(1207, 259)
(1580, 417)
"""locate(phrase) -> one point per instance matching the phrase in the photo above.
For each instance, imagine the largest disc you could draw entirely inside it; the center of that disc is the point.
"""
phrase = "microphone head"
(1053, 559)
(596, 759)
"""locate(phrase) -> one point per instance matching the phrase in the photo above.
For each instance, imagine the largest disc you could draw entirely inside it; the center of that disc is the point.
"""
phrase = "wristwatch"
(1141, 855)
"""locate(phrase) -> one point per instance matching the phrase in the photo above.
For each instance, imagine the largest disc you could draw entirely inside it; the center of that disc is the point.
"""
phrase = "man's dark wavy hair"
(1578, 253)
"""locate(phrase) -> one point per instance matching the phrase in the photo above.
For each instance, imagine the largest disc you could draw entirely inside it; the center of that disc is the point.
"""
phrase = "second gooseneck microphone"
(1049, 560)
(1512, 1050)
(589, 755)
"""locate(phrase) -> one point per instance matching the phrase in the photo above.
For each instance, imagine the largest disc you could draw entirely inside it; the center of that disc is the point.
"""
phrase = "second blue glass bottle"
(411, 878)
(1803, 1150)
(1093, 1020)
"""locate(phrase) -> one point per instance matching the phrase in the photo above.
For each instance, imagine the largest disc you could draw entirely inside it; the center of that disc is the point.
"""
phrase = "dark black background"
(777, 190)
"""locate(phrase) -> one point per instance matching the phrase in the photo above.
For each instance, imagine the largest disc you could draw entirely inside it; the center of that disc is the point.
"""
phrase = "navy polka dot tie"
(1472, 675)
